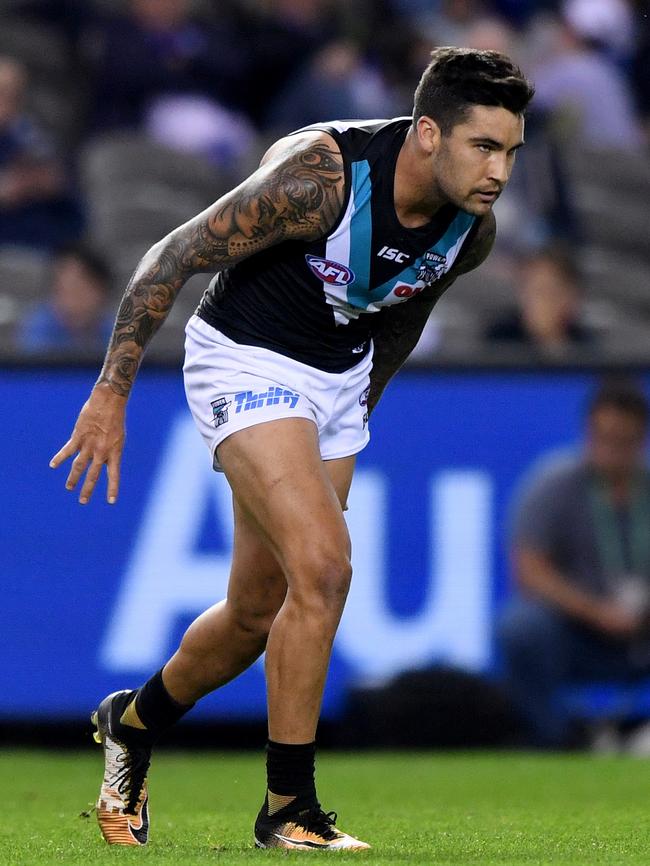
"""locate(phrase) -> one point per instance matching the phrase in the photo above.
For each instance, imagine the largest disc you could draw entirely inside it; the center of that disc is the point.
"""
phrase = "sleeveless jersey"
(313, 301)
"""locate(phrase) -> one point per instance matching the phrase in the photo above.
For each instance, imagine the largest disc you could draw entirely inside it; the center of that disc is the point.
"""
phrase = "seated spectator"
(447, 22)
(581, 559)
(578, 79)
(159, 50)
(36, 209)
(76, 315)
(547, 317)
(536, 207)
(337, 83)
(282, 36)
(640, 66)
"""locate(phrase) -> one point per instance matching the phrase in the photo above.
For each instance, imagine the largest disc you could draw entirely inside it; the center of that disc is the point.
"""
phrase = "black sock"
(290, 775)
(156, 708)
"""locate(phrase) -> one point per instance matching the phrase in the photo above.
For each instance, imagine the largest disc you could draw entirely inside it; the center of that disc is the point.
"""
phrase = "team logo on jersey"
(432, 268)
(330, 272)
(220, 411)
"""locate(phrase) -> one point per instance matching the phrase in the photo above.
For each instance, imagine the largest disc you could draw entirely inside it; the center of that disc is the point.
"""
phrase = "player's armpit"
(395, 338)
(296, 194)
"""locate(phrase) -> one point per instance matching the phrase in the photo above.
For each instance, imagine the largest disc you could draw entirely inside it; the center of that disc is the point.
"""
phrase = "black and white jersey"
(313, 301)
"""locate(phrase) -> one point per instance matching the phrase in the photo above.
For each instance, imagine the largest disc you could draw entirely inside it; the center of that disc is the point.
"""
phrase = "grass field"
(425, 808)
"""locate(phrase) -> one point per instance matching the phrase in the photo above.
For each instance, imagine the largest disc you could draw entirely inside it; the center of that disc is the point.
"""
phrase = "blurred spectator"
(581, 557)
(284, 36)
(535, 208)
(578, 79)
(338, 83)
(641, 64)
(401, 51)
(519, 12)
(194, 124)
(448, 22)
(606, 24)
(490, 33)
(35, 207)
(547, 318)
(76, 316)
(68, 16)
(158, 51)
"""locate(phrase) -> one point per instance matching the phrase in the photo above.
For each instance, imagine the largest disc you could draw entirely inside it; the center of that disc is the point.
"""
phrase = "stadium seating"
(55, 94)
(137, 192)
(23, 281)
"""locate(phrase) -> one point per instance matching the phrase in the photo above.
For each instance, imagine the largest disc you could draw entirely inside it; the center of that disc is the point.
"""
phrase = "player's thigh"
(257, 585)
(278, 477)
(340, 472)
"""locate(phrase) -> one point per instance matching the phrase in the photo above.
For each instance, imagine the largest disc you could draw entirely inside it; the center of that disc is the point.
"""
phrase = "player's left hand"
(97, 440)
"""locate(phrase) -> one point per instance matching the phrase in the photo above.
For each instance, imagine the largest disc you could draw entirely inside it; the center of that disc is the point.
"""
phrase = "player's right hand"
(97, 440)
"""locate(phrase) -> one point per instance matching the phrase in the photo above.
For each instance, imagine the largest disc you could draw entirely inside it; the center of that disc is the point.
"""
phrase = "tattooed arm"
(403, 324)
(297, 193)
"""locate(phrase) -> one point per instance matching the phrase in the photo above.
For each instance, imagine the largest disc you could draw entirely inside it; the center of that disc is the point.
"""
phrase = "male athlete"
(329, 259)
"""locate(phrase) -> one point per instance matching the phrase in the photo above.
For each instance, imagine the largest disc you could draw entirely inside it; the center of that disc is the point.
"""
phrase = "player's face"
(474, 162)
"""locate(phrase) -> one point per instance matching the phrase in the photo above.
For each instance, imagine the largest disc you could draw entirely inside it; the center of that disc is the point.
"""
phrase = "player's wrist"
(110, 389)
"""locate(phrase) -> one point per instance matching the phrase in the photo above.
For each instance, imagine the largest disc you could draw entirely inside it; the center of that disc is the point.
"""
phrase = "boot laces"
(318, 821)
(131, 778)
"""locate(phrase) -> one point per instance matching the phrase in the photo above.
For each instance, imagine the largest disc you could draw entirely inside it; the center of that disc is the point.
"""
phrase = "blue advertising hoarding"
(96, 598)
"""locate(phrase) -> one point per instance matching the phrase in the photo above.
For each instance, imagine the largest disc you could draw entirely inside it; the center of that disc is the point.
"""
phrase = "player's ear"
(428, 134)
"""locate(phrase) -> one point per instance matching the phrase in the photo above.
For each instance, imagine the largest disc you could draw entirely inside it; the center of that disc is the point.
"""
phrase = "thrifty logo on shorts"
(275, 395)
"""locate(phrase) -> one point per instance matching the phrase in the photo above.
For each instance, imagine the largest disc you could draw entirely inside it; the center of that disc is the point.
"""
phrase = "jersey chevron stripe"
(337, 249)
(448, 246)
(360, 229)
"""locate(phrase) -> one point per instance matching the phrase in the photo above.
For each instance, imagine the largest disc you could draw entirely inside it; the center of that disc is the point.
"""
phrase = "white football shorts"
(230, 386)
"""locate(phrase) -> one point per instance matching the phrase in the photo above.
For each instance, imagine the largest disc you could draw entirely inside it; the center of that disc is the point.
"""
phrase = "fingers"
(91, 456)
(67, 451)
(113, 469)
(92, 476)
(78, 466)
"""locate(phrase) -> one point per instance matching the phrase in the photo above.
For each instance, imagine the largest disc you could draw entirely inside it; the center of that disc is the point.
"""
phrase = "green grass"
(424, 808)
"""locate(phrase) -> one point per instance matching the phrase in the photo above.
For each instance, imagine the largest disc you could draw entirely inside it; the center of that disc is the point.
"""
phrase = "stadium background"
(95, 598)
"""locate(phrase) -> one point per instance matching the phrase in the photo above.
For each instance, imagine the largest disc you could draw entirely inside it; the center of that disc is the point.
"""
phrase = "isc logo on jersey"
(330, 272)
(393, 255)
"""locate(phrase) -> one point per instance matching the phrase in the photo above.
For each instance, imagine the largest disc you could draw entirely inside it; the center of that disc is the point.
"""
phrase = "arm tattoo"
(297, 197)
(402, 325)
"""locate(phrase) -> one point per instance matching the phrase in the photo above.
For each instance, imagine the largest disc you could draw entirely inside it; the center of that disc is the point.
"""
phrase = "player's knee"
(324, 581)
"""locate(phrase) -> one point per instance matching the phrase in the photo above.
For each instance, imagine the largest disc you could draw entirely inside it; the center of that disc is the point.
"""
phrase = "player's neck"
(415, 197)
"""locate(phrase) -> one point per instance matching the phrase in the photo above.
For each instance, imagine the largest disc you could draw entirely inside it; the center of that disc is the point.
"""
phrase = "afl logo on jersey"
(330, 272)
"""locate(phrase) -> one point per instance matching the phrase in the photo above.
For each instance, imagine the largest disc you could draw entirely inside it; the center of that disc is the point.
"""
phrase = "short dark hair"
(622, 394)
(90, 258)
(458, 78)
